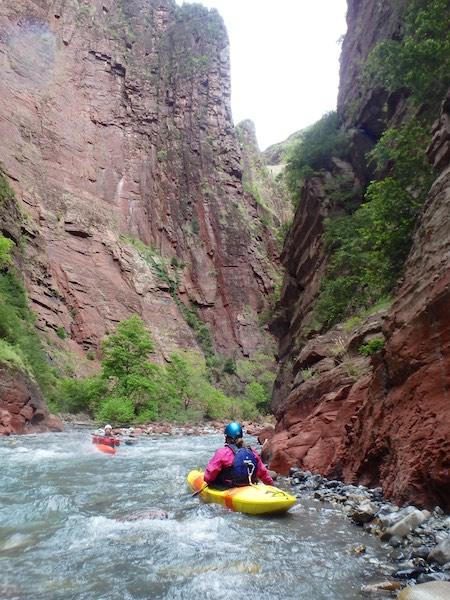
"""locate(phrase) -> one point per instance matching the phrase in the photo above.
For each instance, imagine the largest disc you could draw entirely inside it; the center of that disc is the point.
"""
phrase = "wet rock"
(441, 554)
(395, 541)
(426, 591)
(433, 576)
(420, 552)
(363, 513)
(382, 586)
(333, 484)
(409, 573)
(406, 523)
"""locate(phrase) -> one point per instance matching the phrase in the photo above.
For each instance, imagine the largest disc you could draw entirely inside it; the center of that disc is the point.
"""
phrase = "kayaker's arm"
(222, 459)
(261, 472)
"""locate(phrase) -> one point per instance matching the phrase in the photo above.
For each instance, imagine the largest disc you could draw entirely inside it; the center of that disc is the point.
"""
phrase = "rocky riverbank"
(417, 541)
(259, 430)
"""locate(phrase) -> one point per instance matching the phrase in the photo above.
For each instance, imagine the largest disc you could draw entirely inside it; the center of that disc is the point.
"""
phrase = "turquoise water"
(62, 533)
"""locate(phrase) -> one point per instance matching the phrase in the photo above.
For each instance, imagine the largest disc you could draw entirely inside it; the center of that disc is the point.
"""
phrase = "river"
(62, 535)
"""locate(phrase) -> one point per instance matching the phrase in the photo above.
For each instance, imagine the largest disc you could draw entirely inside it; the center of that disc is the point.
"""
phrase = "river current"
(62, 533)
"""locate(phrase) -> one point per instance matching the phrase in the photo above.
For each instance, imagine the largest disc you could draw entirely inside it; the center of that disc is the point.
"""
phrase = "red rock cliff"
(387, 421)
(115, 126)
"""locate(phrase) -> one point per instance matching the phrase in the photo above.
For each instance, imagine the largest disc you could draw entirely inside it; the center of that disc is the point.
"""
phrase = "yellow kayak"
(259, 499)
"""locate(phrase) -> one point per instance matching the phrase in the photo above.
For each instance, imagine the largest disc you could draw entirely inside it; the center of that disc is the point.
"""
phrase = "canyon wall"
(117, 138)
(383, 420)
(116, 132)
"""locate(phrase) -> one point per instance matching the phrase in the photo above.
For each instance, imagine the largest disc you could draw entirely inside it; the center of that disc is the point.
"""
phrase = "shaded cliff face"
(116, 127)
(385, 420)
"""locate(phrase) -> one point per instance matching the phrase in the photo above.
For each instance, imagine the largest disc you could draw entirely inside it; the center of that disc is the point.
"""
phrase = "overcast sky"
(284, 61)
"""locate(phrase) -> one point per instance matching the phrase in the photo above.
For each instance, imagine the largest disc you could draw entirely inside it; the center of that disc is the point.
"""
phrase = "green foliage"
(230, 366)
(307, 374)
(19, 336)
(369, 247)
(9, 356)
(61, 333)
(130, 388)
(126, 351)
(257, 395)
(6, 192)
(420, 61)
(116, 409)
(6, 246)
(315, 150)
(78, 395)
(342, 192)
(372, 347)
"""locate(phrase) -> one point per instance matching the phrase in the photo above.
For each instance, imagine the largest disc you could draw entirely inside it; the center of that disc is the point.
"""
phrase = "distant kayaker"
(105, 436)
(235, 465)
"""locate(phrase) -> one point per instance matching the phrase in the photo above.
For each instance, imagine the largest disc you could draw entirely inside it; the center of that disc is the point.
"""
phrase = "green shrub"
(320, 143)
(369, 247)
(126, 351)
(116, 409)
(420, 61)
(17, 329)
(6, 246)
(230, 366)
(307, 374)
(372, 347)
(61, 333)
(78, 395)
(9, 356)
(6, 192)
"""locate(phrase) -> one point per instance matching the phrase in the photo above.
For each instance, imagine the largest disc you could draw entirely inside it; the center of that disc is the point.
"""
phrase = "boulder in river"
(435, 590)
(441, 554)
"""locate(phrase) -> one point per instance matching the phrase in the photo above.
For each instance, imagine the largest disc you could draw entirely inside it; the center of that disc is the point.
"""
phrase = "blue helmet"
(234, 430)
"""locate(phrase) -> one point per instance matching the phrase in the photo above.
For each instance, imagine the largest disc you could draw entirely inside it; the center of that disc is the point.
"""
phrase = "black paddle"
(199, 491)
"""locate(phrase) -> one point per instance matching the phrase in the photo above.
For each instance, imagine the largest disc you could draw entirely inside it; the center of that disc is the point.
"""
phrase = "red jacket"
(224, 458)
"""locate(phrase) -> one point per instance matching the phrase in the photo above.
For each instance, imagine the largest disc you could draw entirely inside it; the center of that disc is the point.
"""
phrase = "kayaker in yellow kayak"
(235, 465)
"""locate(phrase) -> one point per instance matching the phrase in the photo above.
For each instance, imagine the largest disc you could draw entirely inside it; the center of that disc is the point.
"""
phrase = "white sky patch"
(284, 61)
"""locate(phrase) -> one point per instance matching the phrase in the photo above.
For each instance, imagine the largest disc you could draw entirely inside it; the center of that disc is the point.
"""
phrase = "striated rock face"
(402, 432)
(304, 258)
(368, 23)
(387, 421)
(269, 194)
(22, 408)
(115, 126)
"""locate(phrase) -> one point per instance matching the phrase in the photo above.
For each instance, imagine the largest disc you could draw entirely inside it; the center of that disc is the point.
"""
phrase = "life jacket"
(107, 441)
(244, 466)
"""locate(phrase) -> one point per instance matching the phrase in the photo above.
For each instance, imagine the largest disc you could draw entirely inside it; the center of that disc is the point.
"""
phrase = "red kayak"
(105, 444)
